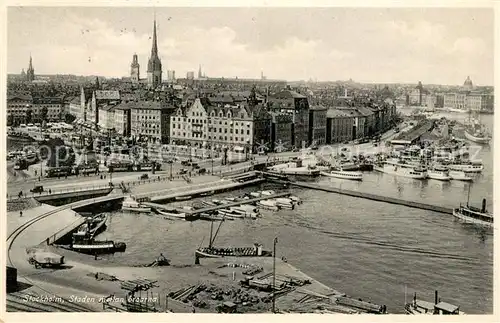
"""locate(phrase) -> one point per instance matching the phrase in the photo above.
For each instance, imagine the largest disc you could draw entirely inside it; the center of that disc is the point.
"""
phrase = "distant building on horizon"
(171, 75)
(30, 74)
(135, 70)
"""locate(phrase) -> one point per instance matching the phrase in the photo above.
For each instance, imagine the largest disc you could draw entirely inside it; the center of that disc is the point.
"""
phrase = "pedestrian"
(21, 214)
(50, 191)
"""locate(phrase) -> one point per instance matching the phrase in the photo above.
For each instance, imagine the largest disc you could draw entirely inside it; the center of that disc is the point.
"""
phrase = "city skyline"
(437, 46)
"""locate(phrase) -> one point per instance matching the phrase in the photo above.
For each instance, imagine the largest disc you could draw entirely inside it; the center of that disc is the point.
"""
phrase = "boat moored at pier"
(461, 175)
(471, 167)
(217, 252)
(354, 176)
(421, 307)
(439, 173)
(130, 204)
(402, 169)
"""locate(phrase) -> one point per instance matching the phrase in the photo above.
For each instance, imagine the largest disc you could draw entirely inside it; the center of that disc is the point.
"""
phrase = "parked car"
(183, 171)
(37, 189)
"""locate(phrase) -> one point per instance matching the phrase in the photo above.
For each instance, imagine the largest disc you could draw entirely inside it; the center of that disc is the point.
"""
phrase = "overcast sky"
(440, 46)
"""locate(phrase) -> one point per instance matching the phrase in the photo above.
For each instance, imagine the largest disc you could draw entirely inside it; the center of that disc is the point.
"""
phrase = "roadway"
(22, 182)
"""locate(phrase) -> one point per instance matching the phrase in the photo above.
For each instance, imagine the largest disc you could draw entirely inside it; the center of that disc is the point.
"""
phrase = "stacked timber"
(366, 306)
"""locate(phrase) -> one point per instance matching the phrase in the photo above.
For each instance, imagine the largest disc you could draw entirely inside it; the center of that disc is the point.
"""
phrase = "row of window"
(142, 117)
(34, 112)
(180, 119)
(204, 136)
(236, 131)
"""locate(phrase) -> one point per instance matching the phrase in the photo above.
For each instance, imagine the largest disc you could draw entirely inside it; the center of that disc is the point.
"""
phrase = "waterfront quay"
(45, 224)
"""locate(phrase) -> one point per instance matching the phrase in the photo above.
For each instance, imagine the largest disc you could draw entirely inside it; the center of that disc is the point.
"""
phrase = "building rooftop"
(288, 94)
(335, 113)
(318, 107)
(107, 95)
(19, 96)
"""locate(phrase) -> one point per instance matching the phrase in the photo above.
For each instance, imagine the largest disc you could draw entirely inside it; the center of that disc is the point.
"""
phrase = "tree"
(69, 118)
(10, 120)
(29, 115)
(43, 114)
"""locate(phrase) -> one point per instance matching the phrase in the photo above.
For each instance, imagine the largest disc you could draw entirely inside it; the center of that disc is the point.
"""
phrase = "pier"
(218, 207)
(368, 196)
(195, 190)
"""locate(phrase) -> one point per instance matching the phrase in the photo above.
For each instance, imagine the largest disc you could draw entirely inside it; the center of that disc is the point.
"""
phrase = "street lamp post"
(170, 161)
(274, 274)
(41, 160)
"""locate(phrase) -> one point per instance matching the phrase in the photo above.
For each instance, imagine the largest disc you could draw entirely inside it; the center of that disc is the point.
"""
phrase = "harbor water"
(371, 250)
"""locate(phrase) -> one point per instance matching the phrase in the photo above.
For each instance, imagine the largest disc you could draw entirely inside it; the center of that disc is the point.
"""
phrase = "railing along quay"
(368, 196)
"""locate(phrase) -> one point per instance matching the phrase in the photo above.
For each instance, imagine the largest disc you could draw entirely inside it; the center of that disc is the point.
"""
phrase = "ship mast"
(216, 232)
(468, 195)
(211, 229)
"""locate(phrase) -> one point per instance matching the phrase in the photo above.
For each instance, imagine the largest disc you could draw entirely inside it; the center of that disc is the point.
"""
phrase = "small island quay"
(138, 190)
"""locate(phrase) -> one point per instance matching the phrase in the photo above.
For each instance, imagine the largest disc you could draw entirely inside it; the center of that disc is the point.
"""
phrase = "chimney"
(435, 297)
(483, 209)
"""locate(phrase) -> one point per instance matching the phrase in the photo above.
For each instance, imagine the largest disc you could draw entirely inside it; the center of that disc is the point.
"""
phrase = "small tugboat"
(92, 226)
(470, 214)
(420, 307)
(88, 245)
(215, 252)
(97, 247)
(130, 204)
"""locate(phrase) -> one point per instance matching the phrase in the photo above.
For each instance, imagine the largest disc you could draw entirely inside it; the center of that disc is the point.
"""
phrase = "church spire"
(30, 74)
(154, 48)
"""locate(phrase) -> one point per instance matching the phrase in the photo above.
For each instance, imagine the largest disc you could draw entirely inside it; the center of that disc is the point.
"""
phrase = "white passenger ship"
(461, 175)
(402, 169)
(473, 166)
(439, 173)
(339, 173)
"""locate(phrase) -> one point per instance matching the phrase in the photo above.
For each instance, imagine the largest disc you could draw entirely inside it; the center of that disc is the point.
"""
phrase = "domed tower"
(154, 63)
(134, 70)
(468, 84)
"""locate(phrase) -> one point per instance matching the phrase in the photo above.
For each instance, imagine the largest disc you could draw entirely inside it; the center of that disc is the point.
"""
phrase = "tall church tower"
(154, 63)
(30, 74)
(134, 70)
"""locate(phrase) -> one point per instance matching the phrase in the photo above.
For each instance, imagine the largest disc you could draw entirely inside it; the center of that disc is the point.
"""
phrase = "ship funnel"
(483, 209)
(435, 297)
